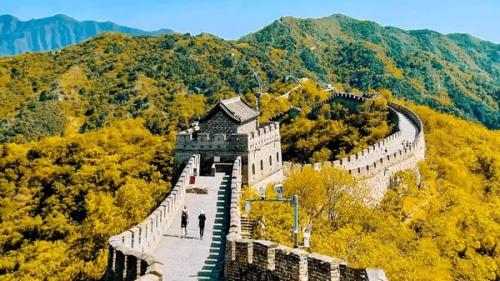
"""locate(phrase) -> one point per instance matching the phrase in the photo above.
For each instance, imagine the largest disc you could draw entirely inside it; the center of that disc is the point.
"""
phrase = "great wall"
(152, 251)
(260, 260)
(375, 165)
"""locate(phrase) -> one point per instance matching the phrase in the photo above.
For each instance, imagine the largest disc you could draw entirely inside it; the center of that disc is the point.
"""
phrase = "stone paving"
(191, 258)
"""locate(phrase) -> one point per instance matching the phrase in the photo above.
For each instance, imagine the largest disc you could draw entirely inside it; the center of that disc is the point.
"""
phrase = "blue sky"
(231, 19)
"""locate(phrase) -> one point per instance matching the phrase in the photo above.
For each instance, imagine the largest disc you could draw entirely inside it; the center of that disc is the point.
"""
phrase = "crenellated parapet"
(193, 139)
(207, 141)
(264, 134)
(261, 260)
(290, 113)
(376, 164)
(353, 161)
(130, 251)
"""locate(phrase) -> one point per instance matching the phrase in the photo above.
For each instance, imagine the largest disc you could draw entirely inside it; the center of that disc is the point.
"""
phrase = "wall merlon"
(291, 264)
(264, 133)
(322, 268)
(244, 251)
(264, 254)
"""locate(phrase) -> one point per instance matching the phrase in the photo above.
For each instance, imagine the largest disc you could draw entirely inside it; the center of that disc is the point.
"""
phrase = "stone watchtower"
(231, 129)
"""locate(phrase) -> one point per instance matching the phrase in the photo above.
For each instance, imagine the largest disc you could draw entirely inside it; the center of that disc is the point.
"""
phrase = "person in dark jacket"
(184, 222)
(201, 223)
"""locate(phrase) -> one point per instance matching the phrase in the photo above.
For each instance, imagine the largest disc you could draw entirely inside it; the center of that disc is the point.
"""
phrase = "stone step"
(215, 251)
(211, 262)
(217, 242)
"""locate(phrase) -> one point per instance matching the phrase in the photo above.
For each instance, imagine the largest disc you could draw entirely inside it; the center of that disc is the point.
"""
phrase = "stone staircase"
(247, 226)
(214, 264)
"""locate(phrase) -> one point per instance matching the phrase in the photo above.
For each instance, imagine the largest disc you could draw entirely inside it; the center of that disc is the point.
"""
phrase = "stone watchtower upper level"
(231, 116)
(231, 129)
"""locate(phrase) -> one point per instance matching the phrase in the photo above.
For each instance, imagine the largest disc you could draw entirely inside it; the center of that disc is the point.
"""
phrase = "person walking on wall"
(184, 222)
(201, 223)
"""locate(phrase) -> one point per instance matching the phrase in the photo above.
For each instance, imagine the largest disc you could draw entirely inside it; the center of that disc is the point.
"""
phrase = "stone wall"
(130, 251)
(227, 147)
(219, 123)
(264, 144)
(259, 260)
(376, 174)
(288, 114)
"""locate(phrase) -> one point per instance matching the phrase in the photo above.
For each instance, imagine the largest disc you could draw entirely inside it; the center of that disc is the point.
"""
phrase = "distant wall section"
(371, 166)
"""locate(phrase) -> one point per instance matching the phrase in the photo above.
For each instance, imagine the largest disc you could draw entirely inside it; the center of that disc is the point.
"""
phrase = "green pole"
(295, 221)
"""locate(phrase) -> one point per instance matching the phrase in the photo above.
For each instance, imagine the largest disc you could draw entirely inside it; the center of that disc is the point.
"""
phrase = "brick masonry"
(374, 166)
(130, 255)
(254, 154)
(259, 260)
(258, 146)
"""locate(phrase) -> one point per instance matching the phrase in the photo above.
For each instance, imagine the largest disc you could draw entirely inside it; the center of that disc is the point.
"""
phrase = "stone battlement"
(130, 251)
(374, 166)
(256, 157)
(352, 96)
(264, 134)
(247, 259)
(191, 138)
(293, 111)
(191, 135)
(353, 160)
(206, 141)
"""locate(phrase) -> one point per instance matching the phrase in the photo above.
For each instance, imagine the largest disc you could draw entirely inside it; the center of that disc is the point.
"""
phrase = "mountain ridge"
(446, 71)
(115, 76)
(54, 32)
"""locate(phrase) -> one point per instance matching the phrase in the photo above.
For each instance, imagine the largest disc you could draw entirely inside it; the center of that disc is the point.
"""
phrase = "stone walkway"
(191, 258)
(408, 133)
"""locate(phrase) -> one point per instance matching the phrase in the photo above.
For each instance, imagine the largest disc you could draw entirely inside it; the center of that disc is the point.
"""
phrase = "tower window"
(253, 169)
(278, 157)
(261, 165)
(270, 160)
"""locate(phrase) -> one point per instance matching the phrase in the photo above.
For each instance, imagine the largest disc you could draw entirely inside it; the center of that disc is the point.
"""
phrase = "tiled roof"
(235, 108)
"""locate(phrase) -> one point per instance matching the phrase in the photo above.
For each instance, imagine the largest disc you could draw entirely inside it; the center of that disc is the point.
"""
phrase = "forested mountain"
(446, 229)
(87, 136)
(63, 197)
(115, 76)
(55, 32)
(455, 73)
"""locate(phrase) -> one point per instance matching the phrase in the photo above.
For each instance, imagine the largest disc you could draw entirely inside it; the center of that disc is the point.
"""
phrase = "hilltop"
(455, 73)
(87, 136)
(113, 76)
(54, 32)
